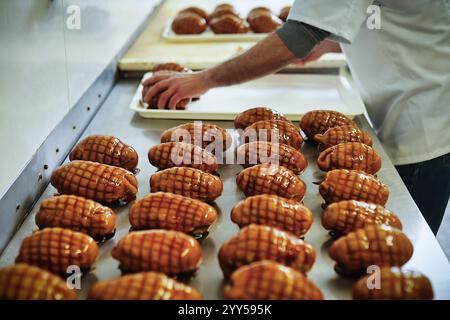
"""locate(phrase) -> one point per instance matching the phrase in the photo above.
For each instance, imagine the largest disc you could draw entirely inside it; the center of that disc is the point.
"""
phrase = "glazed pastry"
(55, 249)
(199, 11)
(319, 121)
(25, 282)
(107, 150)
(284, 13)
(274, 131)
(256, 11)
(373, 245)
(189, 23)
(250, 116)
(77, 214)
(271, 179)
(336, 135)
(342, 184)
(273, 211)
(169, 252)
(349, 215)
(188, 182)
(228, 24)
(224, 6)
(201, 134)
(169, 66)
(223, 9)
(259, 152)
(264, 22)
(143, 286)
(255, 243)
(268, 280)
(169, 211)
(180, 154)
(395, 284)
(96, 181)
(153, 103)
(350, 155)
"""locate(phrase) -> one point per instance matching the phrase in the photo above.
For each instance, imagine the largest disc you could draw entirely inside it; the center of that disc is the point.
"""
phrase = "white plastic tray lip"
(209, 36)
(348, 92)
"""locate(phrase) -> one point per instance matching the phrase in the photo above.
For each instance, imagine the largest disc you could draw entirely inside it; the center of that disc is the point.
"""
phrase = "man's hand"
(325, 46)
(176, 87)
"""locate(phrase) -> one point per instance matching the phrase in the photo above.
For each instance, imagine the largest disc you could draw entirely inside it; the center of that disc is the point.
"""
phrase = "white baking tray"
(293, 95)
(209, 36)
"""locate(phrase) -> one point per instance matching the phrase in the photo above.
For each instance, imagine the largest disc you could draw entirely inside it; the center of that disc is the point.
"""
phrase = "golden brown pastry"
(319, 121)
(395, 284)
(228, 24)
(274, 131)
(342, 184)
(255, 243)
(336, 135)
(169, 211)
(96, 181)
(349, 215)
(264, 22)
(284, 13)
(199, 11)
(55, 249)
(271, 179)
(268, 280)
(201, 134)
(25, 282)
(106, 149)
(143, 286)
(189, 23)
(350, 155)
(372, 245)
(259, 152)
(256, 11)
(223, 9)
(250, 116)
(169, 66)
(224, 6)
(273, 211)
(188, 182)
(180, 154)
(77, 214)
(153, 103)
(169, 252)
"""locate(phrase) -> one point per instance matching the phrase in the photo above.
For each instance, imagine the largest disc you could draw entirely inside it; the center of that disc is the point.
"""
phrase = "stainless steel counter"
(115, 118)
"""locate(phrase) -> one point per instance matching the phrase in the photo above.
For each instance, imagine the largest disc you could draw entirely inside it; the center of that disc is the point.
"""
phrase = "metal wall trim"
(17, 202)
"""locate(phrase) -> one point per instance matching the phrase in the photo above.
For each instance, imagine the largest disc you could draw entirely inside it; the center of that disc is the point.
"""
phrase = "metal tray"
(115, 118)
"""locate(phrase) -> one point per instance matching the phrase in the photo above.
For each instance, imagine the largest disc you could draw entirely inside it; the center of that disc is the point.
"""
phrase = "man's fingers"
(154, 90)
(174, 101)
(164, 97)
(154, 79)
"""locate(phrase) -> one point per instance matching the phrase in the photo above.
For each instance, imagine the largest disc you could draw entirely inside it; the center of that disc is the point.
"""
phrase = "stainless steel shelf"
(115, 118)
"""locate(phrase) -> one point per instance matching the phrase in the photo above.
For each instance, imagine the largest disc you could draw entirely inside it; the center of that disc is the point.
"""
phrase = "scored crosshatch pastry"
(55, 249)
(284, 13)
(171, 252)
(77, 214)
(201, 134)
(350, 155)
(349, 215)
(271, 179)
(268, 280)
(26, 282)
(143, 286)
(96, 181)
(199, 11)
(189, 23)
(188, 182)
(274, 131)
(180, 154)
(259, 152)
(228, 24)
(343, 184)
(169, 211)
(319, 121)
(106, 149)
(395, 284)
(250, 116)
(336, 135)
(256, 243)
(372, 245)
(273, 211)
(264, 22)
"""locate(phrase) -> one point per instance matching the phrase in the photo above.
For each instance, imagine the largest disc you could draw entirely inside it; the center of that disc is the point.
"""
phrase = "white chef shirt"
(401, 70)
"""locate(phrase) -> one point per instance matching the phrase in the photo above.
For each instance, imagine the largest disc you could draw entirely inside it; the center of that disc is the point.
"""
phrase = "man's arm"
(294, 40)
